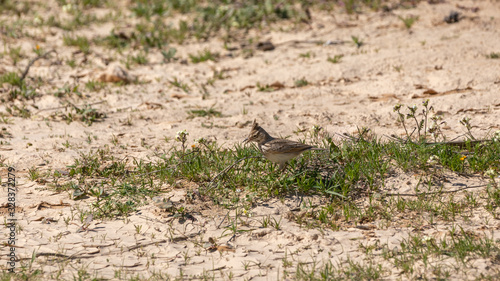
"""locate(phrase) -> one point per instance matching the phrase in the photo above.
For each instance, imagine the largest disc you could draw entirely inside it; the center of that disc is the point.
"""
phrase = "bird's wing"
(286, 146)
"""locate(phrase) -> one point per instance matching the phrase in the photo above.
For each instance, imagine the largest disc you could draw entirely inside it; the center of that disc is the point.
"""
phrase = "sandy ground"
(393, 66)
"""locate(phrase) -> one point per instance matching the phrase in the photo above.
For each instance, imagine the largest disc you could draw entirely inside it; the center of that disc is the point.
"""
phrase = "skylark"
(276, 150)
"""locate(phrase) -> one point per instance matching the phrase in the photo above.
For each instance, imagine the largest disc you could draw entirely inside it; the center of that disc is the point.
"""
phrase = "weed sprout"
(181, 137)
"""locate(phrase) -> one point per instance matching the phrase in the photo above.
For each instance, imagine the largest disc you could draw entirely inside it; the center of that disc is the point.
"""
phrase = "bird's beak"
(245, 140)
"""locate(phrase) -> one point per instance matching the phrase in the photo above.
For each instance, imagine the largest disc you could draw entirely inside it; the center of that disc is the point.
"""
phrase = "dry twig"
(25, 73)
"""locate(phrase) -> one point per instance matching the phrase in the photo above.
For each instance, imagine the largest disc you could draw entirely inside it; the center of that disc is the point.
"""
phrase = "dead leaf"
(369, 234)
(224, 248)
(178, 96)
(153, 105)
(109, 78)
(218, 268)
(45, 220)
(475, 110)
(430, 92)
(472, 9)
(365, 227)
(348, 80)
(78, 76)
(265, 46)
(116, 75)
(383, 97)
(277, 85)
(46, 205)
(10, 245)
(247, 87)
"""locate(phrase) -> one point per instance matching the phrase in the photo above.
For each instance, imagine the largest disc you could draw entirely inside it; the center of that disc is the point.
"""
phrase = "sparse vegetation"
(408, 20)
(94, 86)
(203, 56)
(86, 114)
(179, 84)
(301, 83)
(357, 41)
(306, 55)
(140, 58)
(342, 171)
(169, 54)
(493, 55)
(211, 112)
(15, 54)
(335, 59)
(81, 42)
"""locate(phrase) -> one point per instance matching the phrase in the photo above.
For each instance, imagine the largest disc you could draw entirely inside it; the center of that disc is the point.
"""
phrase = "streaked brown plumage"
(276, 150)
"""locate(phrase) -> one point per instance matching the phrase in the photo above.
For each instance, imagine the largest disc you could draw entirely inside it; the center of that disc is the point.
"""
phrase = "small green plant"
(169, 54)
(265, 88)
(210, 112)
(203, 56)
(435, 128)
(66, 144)
(15, 54)
(68, 90)
(181, 137)
(140, 58)
(86, 114)
(34, 174)
(357, 41)
(179, 84)
(12, 78)
(335, 59)
(420, 125)
(398, 68)
(219, 74)
(350, 270)
(94, 86)
(138, 228)
(306, 55)
(71, 63)
(493, 55)
(114, 140)
(301, 83)
(22, 112)
(466, 123)
(4, 119)
(408, 20)
(39, 51)
(276, 224)
(81, 42)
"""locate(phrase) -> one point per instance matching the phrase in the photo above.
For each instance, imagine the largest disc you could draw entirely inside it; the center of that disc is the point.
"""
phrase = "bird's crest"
(255, 125)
